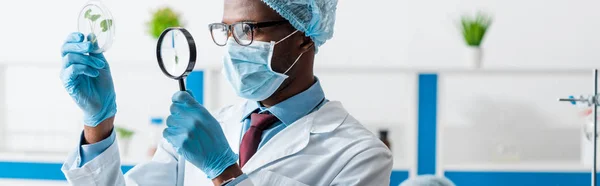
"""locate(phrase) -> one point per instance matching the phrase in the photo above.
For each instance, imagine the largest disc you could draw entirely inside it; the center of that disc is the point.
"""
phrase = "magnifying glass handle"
(181, 85)
(181, 163)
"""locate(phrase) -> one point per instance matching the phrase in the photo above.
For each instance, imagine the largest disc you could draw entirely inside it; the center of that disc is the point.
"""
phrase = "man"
(287, 133)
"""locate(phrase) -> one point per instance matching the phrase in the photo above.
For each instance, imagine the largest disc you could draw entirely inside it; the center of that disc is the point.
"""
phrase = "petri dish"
(97, 24)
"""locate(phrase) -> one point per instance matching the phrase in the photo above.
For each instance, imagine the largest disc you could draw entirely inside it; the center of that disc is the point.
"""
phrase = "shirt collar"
(293, 108)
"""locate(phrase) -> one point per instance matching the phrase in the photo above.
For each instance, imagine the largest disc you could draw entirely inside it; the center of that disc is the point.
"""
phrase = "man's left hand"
(197, 136)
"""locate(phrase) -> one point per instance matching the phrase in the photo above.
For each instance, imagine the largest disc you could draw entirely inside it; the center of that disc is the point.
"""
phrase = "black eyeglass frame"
(253, 25)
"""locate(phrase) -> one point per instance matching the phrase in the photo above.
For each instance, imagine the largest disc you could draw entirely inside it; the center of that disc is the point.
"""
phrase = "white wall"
(132, 44)
(530, 33)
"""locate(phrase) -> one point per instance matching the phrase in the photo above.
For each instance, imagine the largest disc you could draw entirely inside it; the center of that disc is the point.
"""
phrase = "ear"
(307, 43)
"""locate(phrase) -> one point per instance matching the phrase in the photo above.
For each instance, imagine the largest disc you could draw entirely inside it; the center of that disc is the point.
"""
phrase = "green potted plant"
(473, 30)
(162, 19)
(124, 136)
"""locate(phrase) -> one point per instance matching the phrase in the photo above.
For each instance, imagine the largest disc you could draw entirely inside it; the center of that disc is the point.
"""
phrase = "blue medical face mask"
(248, 69)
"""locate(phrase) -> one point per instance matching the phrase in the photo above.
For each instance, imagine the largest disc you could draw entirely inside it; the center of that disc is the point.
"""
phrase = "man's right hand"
(86, 77)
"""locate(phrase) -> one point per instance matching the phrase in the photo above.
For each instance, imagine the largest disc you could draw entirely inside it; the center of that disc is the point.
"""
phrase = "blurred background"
(478, 109)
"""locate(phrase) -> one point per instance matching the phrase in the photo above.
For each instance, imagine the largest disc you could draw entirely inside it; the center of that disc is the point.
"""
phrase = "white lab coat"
(326, 147)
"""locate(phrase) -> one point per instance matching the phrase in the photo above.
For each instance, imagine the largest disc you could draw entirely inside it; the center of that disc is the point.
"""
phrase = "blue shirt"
(90, 151)
(287, 112)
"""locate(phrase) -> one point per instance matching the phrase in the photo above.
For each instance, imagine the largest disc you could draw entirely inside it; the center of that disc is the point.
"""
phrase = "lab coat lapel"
(289, 141)
(233, 128)
(295, 137)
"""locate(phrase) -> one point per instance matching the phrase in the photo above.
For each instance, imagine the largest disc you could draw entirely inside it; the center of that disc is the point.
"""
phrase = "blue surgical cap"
(313, 17)
(427, 180)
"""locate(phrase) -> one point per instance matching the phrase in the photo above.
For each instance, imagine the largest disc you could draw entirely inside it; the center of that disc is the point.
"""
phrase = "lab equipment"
(197, 135)
(248, 69)
(592, 101)
(96, 19)
(86, 77)
(582, 100)
(315, 18)
(176, 56)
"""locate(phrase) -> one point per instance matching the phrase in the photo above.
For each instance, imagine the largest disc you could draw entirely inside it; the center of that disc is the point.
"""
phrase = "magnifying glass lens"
(175, 52)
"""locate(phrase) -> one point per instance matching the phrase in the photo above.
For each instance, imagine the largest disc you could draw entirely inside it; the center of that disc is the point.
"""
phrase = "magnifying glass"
(176, 55)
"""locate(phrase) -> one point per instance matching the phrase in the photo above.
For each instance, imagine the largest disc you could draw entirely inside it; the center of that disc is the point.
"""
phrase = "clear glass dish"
(96, 20)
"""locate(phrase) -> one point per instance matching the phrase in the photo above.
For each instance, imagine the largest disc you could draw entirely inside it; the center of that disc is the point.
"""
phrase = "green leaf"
(106, 24)
(87, 13)
(94, 17)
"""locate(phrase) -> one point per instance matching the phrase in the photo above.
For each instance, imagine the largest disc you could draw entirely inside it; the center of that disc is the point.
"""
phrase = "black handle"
(181, 84)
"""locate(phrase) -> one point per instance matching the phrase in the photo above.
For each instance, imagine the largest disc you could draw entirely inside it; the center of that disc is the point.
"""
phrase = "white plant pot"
(474, 56)
(124, 146)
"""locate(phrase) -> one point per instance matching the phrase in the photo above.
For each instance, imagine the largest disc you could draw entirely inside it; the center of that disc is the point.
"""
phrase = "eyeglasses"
(243, 32)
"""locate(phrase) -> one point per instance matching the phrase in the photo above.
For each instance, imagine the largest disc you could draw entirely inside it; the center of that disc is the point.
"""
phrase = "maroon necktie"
(251, 139)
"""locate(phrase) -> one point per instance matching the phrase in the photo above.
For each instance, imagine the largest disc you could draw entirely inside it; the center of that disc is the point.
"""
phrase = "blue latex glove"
(197, 136)
(86, 77)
